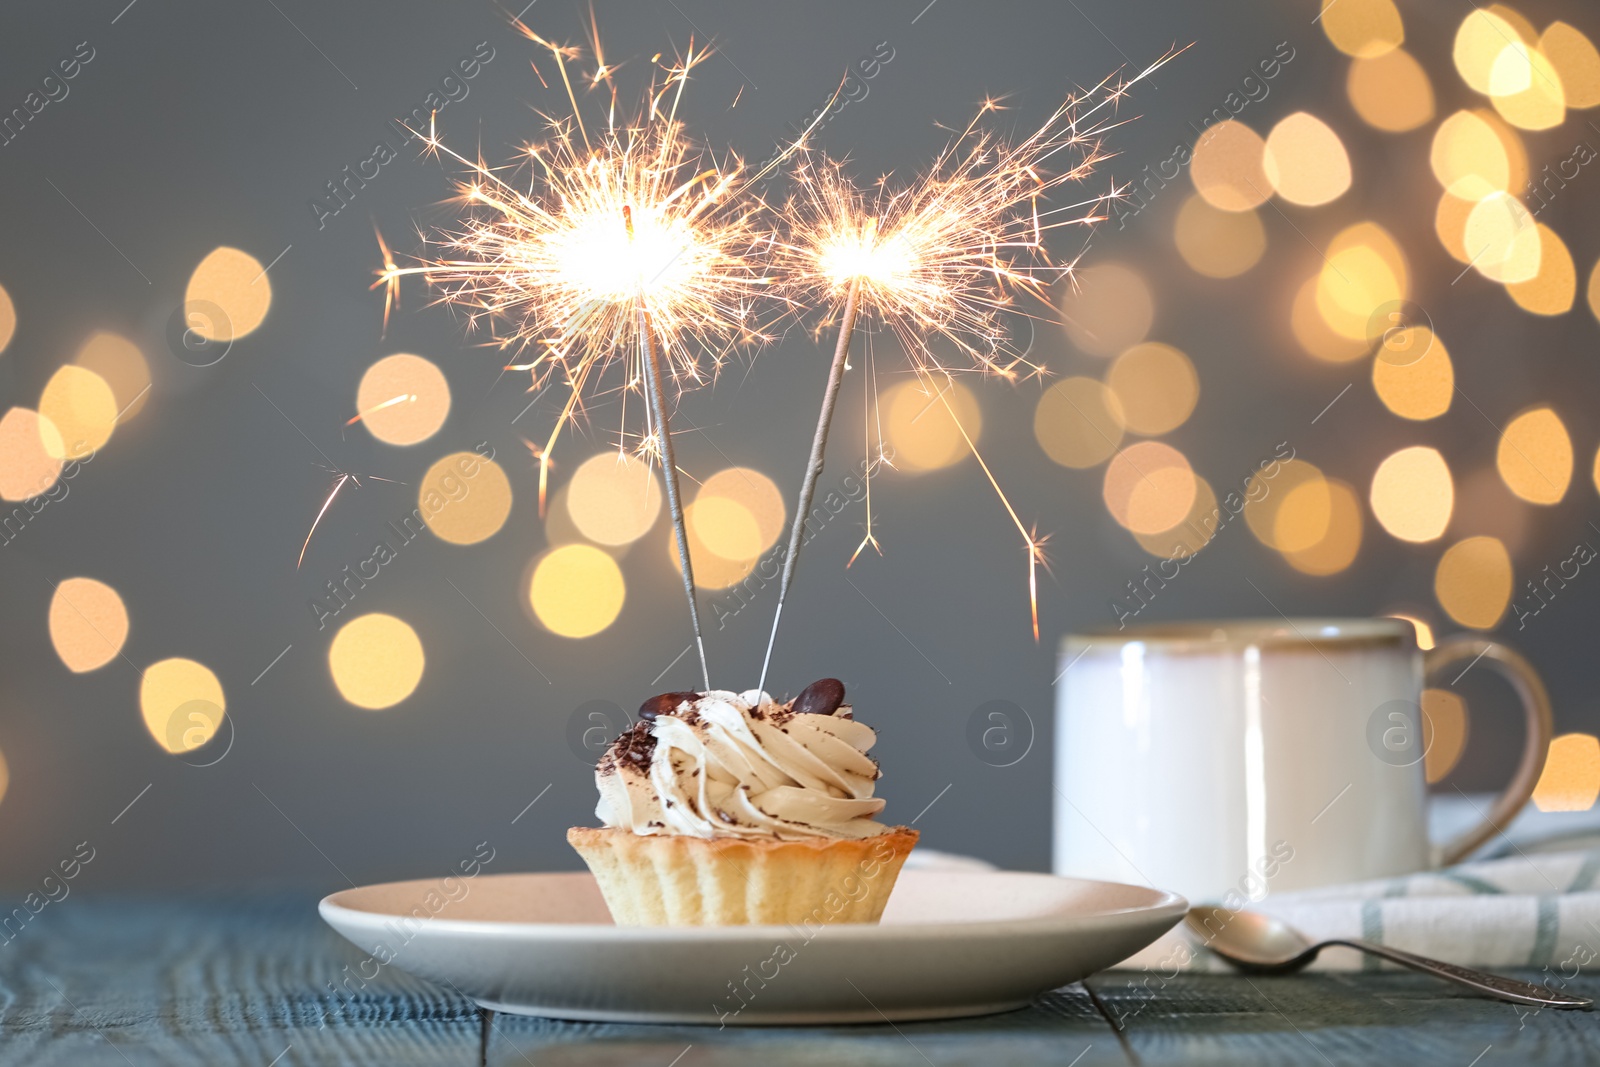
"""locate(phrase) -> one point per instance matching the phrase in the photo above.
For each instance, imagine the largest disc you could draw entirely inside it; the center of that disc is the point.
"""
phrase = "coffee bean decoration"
(821, 697)
(663, 704)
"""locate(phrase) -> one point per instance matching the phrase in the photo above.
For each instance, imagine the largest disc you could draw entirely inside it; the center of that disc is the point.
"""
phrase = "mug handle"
(1536, 746)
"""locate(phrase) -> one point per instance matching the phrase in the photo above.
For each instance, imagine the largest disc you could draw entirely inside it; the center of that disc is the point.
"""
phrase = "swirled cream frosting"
(722, 764)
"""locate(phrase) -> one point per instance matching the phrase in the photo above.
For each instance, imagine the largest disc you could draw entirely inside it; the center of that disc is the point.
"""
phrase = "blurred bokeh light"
(757, 515)
(228, 295)
(1445, 727)
(726, 528)
(919, 426)
(1311, 329)
(613, 499)
(711, 571)
(1554, 286)
(577, 590)
(1571, 777)
(1305, 161)
(182, 703)
(1217, 243)
(1525, 88)
(119, 362)
(1576, 63)
(1156, 387)
(1413, 375)
(1228, 167)
(464, 498)
(1473, 582)
(1079, 422)
(1481, 38)
(1106, 308)
(1191, 534)
(1336, 549)
(1502, 239)
(1149, 487)
(1424, 630)
(376, 660)
(1413, 494)
(1450, 224)
(1362, 28)
(88, 623)
(8, 319)
(1267, 495)
(83, 410)
(30, 454)
(402, 399)
(1303, 516)
(1472, 159)
(1517, 21)
(1391, 92)
(1364, 274)
(1535, 456)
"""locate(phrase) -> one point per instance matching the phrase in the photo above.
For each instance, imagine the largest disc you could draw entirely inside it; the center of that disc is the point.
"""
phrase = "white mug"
(1223, 760)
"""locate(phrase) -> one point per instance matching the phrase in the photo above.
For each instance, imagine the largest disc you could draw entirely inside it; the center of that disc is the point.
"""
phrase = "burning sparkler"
(629, 245)
(943, 256)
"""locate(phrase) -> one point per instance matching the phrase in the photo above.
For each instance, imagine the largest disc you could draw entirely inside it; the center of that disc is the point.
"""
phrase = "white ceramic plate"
(951, 943)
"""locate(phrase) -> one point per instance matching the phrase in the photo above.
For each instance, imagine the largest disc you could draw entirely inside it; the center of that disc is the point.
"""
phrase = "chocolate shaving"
(635, 748)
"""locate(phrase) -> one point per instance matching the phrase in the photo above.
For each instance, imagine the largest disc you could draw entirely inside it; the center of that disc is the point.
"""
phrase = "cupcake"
(726, 808)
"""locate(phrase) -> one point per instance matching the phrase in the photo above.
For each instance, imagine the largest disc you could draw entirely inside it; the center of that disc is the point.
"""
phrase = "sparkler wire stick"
(669, 470)
(819, 447)
(650, 359)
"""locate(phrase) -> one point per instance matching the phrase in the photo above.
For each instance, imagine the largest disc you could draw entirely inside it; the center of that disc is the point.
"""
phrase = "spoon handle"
(1510, 989)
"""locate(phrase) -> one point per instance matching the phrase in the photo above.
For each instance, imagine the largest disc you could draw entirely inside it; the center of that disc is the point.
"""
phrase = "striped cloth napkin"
(1538, 911)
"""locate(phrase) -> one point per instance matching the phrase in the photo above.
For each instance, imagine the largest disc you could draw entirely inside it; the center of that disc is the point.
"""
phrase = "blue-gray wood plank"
(212, 981)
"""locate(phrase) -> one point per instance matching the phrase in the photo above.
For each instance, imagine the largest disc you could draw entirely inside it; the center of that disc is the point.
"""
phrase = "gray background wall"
(199, 124)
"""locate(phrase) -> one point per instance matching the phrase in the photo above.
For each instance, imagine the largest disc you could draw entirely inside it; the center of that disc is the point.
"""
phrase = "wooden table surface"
(219, 981)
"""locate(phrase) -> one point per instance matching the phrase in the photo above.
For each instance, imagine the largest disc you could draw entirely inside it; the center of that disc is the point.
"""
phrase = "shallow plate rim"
(1165, 905)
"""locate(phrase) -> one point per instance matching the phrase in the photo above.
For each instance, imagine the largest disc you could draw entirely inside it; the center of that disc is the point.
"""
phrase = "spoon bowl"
(1250, 940)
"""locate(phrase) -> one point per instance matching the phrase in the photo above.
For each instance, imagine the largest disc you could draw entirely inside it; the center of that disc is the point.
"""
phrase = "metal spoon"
(1255, 942)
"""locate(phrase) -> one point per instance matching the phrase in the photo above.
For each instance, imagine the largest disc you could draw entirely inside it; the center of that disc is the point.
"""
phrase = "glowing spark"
(403, 398)
(556, 256)
(870, 412)
(340, 479)
(648, 448)
(621, 241)
(948, 253)
(944, 256)
(391, 287)
(1030, 539)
